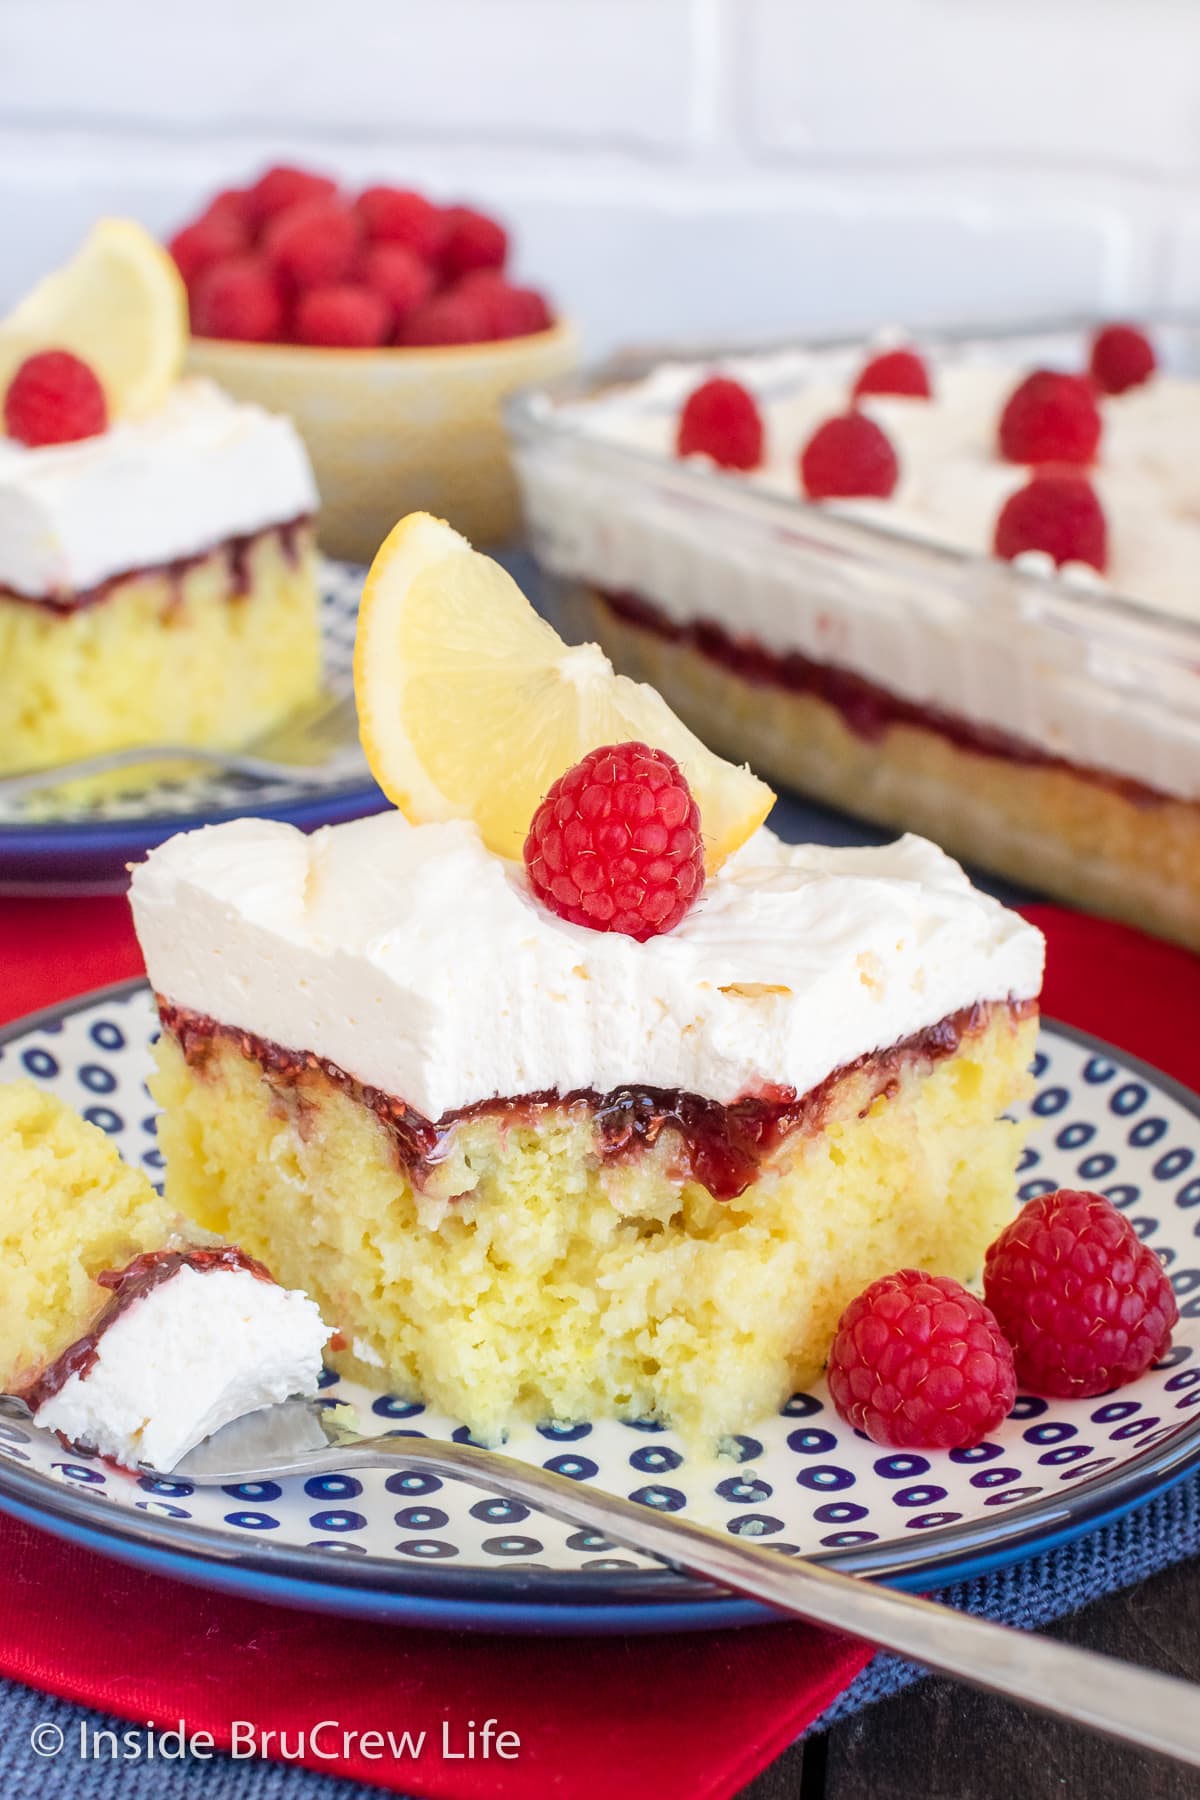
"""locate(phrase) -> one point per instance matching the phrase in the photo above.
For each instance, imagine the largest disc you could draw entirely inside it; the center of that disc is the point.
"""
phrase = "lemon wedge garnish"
(470, 705)
(120, 304)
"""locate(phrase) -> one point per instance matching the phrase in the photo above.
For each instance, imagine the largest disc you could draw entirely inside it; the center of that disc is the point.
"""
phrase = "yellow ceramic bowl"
(393, 430)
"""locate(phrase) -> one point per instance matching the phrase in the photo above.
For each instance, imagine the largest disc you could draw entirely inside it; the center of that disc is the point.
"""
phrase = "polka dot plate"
(392, 1543)
(83, 847)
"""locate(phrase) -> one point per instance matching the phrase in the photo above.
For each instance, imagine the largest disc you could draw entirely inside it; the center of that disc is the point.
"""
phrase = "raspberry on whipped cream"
(1057, 512)
(616, 843)
(1050, 418)
(1121, 357)
(849, 457)
(720, 419)
(894, 372)
(54, 398)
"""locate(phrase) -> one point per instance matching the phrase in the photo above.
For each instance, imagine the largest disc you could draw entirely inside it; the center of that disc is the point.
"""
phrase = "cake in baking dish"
(871, 587)
(557, 1138)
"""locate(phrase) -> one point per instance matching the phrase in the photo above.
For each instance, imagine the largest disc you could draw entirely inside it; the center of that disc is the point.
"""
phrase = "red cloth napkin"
(692, 1716)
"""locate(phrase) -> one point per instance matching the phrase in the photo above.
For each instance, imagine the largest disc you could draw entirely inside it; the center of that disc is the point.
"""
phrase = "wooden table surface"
(941, 1741)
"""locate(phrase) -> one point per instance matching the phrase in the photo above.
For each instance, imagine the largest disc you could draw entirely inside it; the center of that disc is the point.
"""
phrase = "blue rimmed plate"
(83, 848)
(404, 1546)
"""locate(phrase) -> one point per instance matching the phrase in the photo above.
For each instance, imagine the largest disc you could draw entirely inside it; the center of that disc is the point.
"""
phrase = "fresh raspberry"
(510, 311)
(312, 244)
(520, 311)
(1050, 418)
(895, 372)
(450, 318)
(283, 187)
(921, 1364)
(342, 317)
(390, 215)
(848, 457)
(54, 398)
(398, 276)
(721, 419)
(473, 240)
(1058, 513)
(238, 298)
(616, 845)
(1122, 357)
(206, 241)
(1084, 1303)
(235, 203)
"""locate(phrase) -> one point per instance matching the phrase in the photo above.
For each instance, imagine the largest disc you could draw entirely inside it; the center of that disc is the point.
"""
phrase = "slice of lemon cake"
(157, 556)
(575, 1093)
(122, 1327)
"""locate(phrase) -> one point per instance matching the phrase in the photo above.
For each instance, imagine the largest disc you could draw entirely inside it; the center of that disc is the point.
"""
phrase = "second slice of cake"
(158, 574)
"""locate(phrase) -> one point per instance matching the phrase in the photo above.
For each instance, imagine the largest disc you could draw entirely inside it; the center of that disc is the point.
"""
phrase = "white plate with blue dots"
(393, 1543)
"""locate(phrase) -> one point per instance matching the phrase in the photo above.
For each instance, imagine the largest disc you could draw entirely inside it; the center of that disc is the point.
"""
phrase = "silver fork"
(308, 739)
(1139, 1706)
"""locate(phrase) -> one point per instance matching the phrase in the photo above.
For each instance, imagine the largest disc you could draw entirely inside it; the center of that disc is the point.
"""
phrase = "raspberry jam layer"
(237, 551)
(127, 1286)
(866, 709)
(723, 1147)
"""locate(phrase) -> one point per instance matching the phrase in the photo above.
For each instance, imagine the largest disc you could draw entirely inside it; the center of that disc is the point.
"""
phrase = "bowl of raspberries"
(392, 330)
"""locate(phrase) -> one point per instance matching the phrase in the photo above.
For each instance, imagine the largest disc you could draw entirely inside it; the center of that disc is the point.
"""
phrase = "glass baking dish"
(1044, 727)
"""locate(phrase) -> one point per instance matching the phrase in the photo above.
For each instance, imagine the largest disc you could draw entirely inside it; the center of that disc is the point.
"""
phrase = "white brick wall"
(671, 167)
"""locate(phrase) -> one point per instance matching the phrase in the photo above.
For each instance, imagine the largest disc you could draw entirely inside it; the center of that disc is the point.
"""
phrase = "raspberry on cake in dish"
(157, 559)
(122, 1327)
(574, 1092)
(949, 590)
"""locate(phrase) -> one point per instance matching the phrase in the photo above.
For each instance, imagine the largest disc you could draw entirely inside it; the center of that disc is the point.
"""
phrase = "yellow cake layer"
(1041, 824)
(69, 1209)
(162, 658)
(559, 1287)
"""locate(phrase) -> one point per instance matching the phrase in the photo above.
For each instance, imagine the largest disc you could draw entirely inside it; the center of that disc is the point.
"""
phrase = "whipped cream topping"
(201, 469)
(421, 964)
(194, 1353)
(952, 481)
(1112, 688)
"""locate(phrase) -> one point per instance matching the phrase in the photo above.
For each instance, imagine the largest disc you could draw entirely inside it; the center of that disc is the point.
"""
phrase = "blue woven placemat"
(1030, 1594)
(1049, 1586)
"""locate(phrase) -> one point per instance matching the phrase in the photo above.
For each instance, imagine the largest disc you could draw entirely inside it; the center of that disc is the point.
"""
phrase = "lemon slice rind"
(470, 705)
(120, 304)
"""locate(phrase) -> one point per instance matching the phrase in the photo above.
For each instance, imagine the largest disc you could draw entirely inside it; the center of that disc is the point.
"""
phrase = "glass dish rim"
(536, 413)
